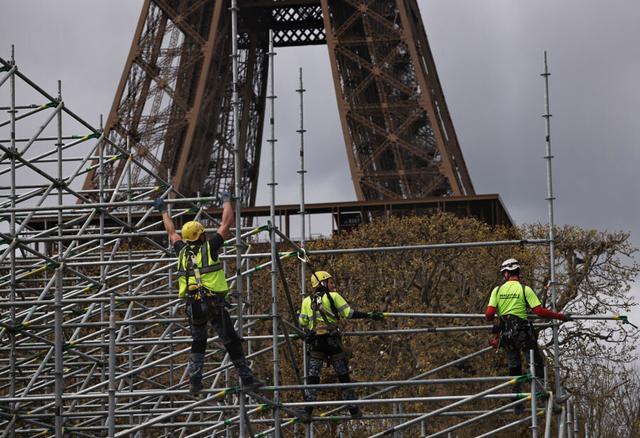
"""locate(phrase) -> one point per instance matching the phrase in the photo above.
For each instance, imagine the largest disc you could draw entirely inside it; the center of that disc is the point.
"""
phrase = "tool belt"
(200, 303)
(328, 346)
(515, 332)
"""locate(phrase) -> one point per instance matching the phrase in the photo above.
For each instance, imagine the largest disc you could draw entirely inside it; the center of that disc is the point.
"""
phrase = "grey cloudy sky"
(489, 57)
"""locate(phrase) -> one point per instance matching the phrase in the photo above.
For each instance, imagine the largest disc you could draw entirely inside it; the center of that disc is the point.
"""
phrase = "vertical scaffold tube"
(272, 236)
(111, 403)
(58, 334)
(552, 247)
(303, 283)
(237, 188)
(569, 420)
(130, 310)
(534, 416)
(548, 416)
(12, 295)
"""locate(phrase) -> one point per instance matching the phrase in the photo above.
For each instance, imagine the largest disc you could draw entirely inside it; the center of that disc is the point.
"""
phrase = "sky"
(489, 56)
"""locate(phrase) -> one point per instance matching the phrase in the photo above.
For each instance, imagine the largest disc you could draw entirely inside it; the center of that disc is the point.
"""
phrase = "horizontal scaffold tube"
(225, 408)
(102, 205)
(494, 432)
(465, 399)
(481, 417)
(185, 392)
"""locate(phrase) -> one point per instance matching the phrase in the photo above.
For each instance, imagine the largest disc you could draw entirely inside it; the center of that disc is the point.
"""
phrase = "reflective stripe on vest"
(211, 273)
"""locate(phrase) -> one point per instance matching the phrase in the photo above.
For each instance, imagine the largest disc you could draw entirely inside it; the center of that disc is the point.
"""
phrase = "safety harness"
(192, 264)
(198, 296)
(514, 330)
(318, 307)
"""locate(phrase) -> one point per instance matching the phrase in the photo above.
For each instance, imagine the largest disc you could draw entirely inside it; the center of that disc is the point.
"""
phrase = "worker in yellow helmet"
(319, 316)
(203, 286)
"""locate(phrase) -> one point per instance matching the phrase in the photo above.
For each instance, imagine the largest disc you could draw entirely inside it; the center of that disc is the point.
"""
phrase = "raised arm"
(226, 222)
(171, 229)
(167, 221)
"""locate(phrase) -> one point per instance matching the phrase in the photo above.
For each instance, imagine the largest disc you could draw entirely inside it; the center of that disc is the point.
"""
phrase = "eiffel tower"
(173, 106)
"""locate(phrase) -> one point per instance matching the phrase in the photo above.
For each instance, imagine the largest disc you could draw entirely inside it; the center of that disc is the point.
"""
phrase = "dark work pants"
(514, 358)
(212, 310)
(327, 348)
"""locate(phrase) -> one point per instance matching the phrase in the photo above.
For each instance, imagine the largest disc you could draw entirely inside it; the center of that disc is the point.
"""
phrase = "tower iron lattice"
(173, 104)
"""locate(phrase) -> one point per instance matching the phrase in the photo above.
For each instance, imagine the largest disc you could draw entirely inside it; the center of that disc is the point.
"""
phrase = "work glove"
(376, 316)
(159, 205)
(495, 341)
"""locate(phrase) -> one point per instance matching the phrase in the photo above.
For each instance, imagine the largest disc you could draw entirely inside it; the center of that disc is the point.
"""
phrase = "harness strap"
(205, 270)
(197, 271)
(509, 322)
(333, 305)
(318, 307)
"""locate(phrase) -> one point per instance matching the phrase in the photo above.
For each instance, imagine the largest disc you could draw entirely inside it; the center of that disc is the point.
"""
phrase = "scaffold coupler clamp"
(302, 255)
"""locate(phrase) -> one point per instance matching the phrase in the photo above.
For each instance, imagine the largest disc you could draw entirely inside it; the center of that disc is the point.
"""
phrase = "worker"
(319, 316)
(203, 286)
(514, 332)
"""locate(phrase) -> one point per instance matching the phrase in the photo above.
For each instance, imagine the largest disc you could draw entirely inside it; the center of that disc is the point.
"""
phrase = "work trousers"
(328, 348)
(520, 341)
(211, 310)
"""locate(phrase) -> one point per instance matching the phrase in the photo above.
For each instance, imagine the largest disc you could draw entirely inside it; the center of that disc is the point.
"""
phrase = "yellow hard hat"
(192, 231)
(318, 277)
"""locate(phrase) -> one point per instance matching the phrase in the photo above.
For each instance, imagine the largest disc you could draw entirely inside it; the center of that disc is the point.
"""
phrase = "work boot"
(247, 379)
(355, 412)
(306, 415)
(251, 383)
(195, 385)
(196, 362)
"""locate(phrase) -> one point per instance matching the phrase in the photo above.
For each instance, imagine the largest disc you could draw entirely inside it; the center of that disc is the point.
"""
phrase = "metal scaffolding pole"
(550, 198)
(12, 231)
(495, 432)
(235, 102)
(59, 334)
(532, 372)
(480, 417)
(272, 235)
(461, 400)
(303, 268)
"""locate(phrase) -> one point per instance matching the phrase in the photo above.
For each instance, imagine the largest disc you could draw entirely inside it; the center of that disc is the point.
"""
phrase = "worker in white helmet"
(514, 332)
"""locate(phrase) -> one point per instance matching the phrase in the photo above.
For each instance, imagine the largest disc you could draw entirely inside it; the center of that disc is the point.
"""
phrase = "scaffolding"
(93, 340)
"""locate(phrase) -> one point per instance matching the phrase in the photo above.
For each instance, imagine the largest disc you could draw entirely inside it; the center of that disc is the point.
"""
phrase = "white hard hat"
(509, 265)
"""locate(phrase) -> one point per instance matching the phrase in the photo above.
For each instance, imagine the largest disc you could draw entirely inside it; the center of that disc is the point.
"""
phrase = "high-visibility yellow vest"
(317, 315)
(211, 273)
